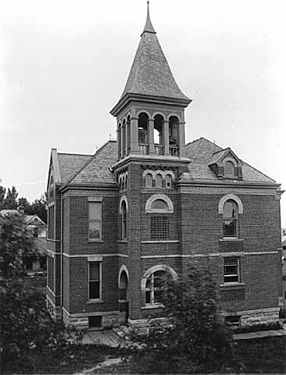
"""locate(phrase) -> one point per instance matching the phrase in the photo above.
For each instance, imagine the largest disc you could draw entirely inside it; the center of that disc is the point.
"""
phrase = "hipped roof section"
(203, 152)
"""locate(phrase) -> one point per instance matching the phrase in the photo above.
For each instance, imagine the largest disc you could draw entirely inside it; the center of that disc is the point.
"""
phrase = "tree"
(25, 204)
(25, 327)
(193, 337)
(2, 196)
(10, 201)
(39, 207)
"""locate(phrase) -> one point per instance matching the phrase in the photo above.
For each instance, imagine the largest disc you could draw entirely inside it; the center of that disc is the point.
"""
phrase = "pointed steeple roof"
(150, 74)
(148, 28)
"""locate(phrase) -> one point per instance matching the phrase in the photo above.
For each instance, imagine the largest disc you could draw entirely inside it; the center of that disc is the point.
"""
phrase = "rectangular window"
(159, 227)
(94, 220)
(50, 272)
(231, 270)
(94, 281)
(51, 222)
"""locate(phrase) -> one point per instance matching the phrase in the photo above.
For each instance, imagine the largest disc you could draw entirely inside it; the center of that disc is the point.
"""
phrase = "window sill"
(154, 306)
(232, 285)
(161, 241)
(95, 240)
(122, 241)
(91, 301)
(225, 239)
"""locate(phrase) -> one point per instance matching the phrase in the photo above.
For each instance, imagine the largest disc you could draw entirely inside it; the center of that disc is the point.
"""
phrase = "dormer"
(226, 165)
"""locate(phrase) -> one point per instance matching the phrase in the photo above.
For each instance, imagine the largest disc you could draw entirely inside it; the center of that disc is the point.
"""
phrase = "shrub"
(193, 338)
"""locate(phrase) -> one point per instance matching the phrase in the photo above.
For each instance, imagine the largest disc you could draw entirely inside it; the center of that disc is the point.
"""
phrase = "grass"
(262, 355)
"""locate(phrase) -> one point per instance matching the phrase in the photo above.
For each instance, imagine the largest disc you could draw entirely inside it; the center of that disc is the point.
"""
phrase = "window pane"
(168, 181)
(149, 180)
(94, 210)
(94, 271)
(231, 270)
(148, 296)
(149, 282)
(159, 204)
(229, 209)
(229, 168)
(94, 229)
(159, 180)
(231, 279)
(229, 228)
(157, 295)
(94, 289)
(159, 227)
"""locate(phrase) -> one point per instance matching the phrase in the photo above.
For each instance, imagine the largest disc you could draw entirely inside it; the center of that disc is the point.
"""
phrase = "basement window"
(95, 321)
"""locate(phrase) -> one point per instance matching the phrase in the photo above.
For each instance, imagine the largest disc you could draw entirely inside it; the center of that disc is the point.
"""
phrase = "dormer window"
(229, 169)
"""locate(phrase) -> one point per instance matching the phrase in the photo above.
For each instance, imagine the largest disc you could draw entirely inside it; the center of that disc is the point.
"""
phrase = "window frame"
(95, 200)
(123, 209)
(236, 274)
(153, 288)
(99, 281)
(162, 233)
(233, 219)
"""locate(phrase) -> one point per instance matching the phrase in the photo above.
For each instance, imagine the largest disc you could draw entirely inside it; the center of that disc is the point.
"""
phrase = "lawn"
(263, 355)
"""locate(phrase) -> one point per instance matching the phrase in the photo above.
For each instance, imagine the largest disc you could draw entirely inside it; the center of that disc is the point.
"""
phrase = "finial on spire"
(148, 28)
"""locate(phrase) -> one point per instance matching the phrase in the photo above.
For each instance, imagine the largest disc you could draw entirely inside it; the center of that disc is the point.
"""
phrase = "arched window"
(142, 128)
(159, 204)
(230, 219)
(149, 180)
(155, 287)
(229, 169)
(124, 137)
(123, 220)
(168, 180)
(174, 135)
(159, 180)
(154, 282)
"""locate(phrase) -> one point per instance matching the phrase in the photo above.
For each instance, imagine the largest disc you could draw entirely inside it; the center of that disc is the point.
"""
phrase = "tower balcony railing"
(143, 148)
(174, 150)
(158, 149)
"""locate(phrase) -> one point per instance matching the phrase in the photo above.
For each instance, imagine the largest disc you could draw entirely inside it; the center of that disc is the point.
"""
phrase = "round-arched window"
(230, 219)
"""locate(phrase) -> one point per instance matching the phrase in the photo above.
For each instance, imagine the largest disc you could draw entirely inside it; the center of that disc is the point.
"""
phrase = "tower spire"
(148, 28)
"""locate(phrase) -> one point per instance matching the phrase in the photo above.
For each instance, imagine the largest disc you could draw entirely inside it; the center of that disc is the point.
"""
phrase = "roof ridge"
(68, 153)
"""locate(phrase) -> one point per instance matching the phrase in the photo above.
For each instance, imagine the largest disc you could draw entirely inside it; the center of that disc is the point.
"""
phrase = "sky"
(64, 64)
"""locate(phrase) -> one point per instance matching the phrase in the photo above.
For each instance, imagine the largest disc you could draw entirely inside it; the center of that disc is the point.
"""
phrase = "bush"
(193, 338)
(25, 327)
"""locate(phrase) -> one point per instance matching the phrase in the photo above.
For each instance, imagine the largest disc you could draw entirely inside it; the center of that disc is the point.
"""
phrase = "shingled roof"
(70, 164)
(201, 152)
(97, 168)
(150, 73)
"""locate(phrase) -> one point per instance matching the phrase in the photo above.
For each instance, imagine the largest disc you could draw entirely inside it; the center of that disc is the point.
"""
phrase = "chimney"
(21, 209)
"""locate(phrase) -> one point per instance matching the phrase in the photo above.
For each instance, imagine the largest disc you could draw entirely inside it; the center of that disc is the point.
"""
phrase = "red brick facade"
(160, 204)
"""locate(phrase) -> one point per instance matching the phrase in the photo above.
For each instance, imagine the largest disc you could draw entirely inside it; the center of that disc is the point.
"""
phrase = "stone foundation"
(80, 321)
(254, 317)
(54, 311)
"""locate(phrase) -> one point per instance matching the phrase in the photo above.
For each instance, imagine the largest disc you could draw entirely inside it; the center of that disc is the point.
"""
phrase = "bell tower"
(151, 157)
(150, 111)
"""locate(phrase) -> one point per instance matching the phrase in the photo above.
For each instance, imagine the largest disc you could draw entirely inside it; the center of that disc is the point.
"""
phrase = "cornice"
(237, 184)
(147, 99)
(142, 159)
